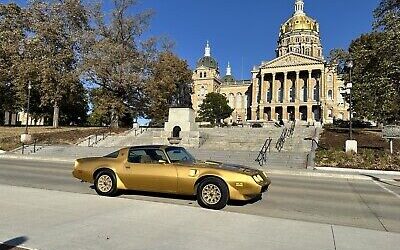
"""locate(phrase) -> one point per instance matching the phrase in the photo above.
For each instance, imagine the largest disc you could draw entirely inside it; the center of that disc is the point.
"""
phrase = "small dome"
(300, 22)
(207, 61)
(228, 78)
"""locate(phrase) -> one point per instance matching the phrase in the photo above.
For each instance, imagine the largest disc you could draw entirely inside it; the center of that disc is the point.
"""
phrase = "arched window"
(205, 74)
(201, 74)
(203, 91)
(176, 132)
(330, 94)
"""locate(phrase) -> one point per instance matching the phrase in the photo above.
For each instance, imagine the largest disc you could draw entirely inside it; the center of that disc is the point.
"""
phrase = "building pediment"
(292, 59)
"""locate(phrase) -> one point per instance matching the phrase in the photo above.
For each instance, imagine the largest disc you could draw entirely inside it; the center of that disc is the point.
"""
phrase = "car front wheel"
(212, 193)
(105, 183)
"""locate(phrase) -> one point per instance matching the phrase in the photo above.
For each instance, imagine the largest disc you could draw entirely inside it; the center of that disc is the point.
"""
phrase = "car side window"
(146, 156)
(135, 155)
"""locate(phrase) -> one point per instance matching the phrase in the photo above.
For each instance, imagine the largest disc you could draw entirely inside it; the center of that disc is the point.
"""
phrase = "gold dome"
(300, 22)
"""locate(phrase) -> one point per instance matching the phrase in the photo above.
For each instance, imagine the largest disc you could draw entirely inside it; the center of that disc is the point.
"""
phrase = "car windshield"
(177, 154)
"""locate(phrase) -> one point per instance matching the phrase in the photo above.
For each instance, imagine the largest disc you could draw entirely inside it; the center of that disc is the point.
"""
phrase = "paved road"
(357, 203)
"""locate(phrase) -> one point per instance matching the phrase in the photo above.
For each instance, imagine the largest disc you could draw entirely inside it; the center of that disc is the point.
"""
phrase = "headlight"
(258, 178)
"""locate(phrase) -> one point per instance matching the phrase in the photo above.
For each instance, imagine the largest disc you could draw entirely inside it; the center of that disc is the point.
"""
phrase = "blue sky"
(247, 30)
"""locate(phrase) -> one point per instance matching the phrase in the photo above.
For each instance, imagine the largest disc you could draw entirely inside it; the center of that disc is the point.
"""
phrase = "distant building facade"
(297, 85)
(19, 119)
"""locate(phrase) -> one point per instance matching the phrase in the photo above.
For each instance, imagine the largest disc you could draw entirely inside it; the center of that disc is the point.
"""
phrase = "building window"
(205, 74)
(201, 74)
(330, 94)
(330, 113)
(203, 91)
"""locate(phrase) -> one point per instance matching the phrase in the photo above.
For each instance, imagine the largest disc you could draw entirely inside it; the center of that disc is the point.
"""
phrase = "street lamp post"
(27, 110)
(349, 85)
(351, 145)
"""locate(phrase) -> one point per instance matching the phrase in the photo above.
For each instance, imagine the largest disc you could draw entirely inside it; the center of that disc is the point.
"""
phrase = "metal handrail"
(281, 140)
(25, 146)
(94, 139)
(262, 155)
(286, 133)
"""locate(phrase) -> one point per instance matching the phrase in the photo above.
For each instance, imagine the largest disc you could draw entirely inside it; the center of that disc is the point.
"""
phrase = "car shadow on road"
(154, 195)
(190, 199)
(235, 203)
(13, 244)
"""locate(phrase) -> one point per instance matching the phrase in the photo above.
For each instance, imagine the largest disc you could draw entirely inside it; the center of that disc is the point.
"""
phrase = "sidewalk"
(60, 220)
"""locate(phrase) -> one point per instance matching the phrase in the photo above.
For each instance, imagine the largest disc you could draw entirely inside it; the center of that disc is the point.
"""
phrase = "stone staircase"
(237, 139)
(242, 145)
(130, 139)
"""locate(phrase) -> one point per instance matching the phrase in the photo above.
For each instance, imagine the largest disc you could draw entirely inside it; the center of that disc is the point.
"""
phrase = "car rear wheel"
(212, 193)
(105, 183)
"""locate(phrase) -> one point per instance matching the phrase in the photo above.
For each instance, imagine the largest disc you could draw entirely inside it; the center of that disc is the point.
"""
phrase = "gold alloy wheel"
(104, 183)
(211, 194)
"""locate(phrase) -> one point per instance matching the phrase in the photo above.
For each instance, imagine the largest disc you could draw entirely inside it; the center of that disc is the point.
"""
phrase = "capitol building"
(297, 85)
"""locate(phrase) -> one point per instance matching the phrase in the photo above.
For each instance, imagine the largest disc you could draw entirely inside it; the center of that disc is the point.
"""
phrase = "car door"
(148, 169)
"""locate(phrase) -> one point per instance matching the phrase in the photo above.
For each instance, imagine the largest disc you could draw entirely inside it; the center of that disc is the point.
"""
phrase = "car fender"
(120, 184)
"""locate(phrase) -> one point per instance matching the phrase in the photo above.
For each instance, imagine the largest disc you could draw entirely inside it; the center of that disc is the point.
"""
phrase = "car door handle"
(128, 167)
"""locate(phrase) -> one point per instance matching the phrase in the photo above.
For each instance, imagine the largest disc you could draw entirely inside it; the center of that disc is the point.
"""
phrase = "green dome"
(208, 62)
(228, 78)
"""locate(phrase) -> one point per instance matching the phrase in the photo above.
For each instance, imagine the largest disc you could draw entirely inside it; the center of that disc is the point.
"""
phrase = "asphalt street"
(370, 204)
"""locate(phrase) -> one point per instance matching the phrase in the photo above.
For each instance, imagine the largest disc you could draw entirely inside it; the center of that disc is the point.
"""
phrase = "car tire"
(212, 193)
(105, 183)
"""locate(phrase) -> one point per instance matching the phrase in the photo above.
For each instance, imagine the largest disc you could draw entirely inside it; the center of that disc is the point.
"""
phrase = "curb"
(20, 157)
(358, 171)
(322, 175)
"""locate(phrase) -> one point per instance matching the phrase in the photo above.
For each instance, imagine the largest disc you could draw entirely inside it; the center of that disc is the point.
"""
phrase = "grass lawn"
(373, 151)
(10, 136)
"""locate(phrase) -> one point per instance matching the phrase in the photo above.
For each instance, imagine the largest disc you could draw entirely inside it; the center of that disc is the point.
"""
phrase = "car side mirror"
(162, 162)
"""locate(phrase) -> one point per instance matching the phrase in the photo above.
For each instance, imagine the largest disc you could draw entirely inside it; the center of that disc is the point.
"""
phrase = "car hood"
(228, 166)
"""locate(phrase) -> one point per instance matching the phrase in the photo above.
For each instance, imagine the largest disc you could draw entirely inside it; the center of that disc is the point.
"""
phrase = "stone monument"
(181, 129)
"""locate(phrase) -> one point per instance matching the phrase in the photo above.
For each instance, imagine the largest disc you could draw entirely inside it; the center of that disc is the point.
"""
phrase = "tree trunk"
(114, 119)
(56, 115)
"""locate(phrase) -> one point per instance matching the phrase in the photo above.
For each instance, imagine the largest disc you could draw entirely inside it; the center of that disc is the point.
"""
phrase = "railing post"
(89, 141)
(95, 139)
(34, 146)
(23, 147)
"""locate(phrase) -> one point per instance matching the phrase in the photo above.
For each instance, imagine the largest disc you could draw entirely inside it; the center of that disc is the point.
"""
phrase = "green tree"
(338, 57)
(169, 86)
(376, 72)
(116, 61)
(13, 27)
(56, 28)
(214, 108)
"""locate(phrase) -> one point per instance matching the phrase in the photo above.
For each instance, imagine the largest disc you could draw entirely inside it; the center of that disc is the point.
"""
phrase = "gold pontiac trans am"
(170, 169)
